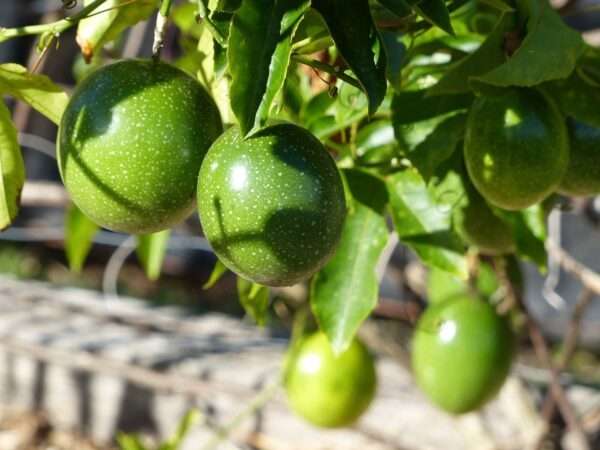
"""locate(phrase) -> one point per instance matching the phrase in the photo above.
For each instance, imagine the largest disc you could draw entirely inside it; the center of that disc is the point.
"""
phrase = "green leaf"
(12, 169)
(422, 215)
(116, 16)
(376, 144)
(130, 442)
(488, 56)
(259, 50)
(151, 250)
(79, 236)
(356, 39)
(217, 273)
(312, 35)
(255, 299)
(529, 230)
(549, 51)
(438, 146)
(38, 91)
(345, 291)
(395, 51)
(413, 106)
(190, 419)
(435, 12)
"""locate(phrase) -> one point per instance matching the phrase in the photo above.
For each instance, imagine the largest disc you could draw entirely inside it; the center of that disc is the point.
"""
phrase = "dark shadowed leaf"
(576, 98)
(487, 57)
(259, 49)
(413, 106)
(435, 12)
(529, 230)
(438, 146)
(357, 41)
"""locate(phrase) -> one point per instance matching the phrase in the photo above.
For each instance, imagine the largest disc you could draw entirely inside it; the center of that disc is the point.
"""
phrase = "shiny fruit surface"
(516, 148)
(583, 173)
(131, 142)
(272, 205)
(328, 390)
(462, 353)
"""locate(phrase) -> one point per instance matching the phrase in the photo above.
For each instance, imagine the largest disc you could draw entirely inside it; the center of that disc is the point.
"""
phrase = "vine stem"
(161, 28)
(54, 27)
(318, 65)
(258, 402)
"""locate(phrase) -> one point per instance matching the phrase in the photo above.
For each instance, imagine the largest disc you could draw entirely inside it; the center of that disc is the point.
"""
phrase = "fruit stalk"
(161, 28)
(55, 28)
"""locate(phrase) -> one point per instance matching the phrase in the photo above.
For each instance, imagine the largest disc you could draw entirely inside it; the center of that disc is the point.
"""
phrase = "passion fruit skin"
(480, 227)
(271, 205)
(327, 390)
(462, 352)
(516, 148)
(583, 172)
(131, 142)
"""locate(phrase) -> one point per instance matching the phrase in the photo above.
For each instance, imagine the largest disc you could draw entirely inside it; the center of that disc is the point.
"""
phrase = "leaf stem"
(161, 28)
(53, 27)
(323, 67)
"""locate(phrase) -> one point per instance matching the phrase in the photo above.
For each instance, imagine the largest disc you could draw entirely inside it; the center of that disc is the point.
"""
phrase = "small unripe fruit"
(327, 390)
(462, 353)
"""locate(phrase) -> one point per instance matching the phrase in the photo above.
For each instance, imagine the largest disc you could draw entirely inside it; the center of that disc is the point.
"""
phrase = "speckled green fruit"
(480, 227)
(272, 206)
(131, 142)
(327, 390)
(516, 148)
(583, 172)
(462, 353)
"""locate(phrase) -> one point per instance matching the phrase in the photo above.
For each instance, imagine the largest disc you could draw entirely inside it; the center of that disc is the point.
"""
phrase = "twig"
(327, 68)
(558, 393)
(138, 375)
(161, 28)
(204, 15)
(570, 344)
(587, 277)
(541, 349)
(55, 28)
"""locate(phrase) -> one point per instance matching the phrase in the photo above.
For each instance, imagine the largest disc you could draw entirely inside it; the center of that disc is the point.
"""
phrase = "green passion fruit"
(480, 227)
(462, 353)
(516, 148)
(131, 142)
(583, 172)
(271, 205)
(328, 390)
